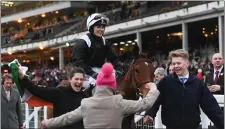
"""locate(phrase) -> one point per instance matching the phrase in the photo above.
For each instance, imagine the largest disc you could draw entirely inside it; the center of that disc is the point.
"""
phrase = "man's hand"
(20, 69)
(214, 88)
(44, 124)
(151, 86)
(148, 119)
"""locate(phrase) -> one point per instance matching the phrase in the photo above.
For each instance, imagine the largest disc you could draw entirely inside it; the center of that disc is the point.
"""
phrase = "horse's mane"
(126, 85)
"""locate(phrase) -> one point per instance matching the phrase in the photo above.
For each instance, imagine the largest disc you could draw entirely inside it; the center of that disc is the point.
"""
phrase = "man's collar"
(218, 69)
(186, 76)
(5, 89)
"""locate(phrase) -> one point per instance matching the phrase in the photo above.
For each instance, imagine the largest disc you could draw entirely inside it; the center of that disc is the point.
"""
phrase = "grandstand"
(50, 27)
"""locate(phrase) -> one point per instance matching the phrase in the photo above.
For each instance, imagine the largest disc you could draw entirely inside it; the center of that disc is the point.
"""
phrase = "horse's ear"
(136, 51)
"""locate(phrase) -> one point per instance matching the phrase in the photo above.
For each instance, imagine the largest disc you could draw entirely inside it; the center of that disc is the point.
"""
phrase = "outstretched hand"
(44, 124)
(151, 86)
(148, 119)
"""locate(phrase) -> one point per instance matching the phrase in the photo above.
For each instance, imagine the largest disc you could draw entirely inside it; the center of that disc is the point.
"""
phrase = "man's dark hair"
(76, 70)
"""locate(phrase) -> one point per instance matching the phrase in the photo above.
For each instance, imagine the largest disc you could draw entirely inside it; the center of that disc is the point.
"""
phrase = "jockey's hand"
(94, 75)
(148, 119)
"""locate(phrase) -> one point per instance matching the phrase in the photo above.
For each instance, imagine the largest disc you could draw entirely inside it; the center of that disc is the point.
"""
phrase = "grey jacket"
(11, 117)
(104, 110)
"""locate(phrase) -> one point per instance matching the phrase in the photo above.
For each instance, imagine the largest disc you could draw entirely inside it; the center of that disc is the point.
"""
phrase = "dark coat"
(93, 56)
(11, 117)
(64, 99)
(209, 80)
(180, 103)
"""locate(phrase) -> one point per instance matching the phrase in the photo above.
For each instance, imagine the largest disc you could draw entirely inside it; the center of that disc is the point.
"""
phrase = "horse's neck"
(126, 90)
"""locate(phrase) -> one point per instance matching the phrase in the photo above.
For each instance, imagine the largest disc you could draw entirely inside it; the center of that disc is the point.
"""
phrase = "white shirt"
(7, 92)
(214, 75)
(186, 76)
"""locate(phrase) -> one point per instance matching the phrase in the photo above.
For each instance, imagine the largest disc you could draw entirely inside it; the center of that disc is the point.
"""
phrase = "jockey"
(91, 51)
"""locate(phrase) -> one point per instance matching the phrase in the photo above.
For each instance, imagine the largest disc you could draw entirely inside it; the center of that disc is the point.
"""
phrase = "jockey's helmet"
(95, 19)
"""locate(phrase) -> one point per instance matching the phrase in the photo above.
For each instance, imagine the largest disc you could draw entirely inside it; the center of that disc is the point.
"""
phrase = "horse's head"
(141, 71)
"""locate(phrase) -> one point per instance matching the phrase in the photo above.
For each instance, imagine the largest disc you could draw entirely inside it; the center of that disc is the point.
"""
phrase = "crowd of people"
(43, 29)
(180, 91)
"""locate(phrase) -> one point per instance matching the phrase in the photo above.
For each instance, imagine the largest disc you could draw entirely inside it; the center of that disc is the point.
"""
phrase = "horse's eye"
(137, 71)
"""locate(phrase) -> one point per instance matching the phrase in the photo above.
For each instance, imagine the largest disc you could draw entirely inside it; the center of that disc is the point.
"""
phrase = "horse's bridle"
(133, 78)
(133, 72)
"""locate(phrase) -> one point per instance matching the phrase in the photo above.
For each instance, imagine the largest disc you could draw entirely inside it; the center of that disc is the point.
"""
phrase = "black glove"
(94, 75)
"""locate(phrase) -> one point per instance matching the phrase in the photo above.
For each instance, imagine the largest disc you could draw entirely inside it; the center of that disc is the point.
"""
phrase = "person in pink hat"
(105, 109)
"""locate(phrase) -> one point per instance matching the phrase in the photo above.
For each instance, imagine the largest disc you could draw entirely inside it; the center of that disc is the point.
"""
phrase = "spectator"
(200, 74)
(38, 79)
(170, 69)
(215, 79)
(11, 117)
(159, 74)
(63, 80)
(64, 99)
(181, 96)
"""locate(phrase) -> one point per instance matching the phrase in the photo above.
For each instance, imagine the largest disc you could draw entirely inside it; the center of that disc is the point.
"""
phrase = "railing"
(32, 118)
(138, 118)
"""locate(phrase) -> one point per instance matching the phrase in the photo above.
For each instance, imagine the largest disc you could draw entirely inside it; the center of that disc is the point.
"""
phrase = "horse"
(132, 84)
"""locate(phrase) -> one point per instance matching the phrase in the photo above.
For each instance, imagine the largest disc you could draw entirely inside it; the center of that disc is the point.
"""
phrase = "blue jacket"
(180, 103)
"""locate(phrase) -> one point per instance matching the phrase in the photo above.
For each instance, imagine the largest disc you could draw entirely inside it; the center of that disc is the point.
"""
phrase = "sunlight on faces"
(76, 81)
(8, 83)
(99, 30)
(180, 65)
(217, 60)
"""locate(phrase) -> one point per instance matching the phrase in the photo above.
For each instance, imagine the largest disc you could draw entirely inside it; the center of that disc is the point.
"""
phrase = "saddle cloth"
(90, 80)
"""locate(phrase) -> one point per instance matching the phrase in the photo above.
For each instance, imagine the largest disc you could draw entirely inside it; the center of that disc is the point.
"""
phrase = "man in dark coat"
(215, 79)
(181, 96)
(11, 117)
(64, 99)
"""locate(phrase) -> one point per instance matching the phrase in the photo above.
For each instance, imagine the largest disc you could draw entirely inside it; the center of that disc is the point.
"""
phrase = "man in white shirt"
(215, 79)
(11, 117)
(181, 96)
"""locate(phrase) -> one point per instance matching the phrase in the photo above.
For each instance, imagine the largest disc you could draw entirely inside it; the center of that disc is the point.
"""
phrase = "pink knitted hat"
(106, 76)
